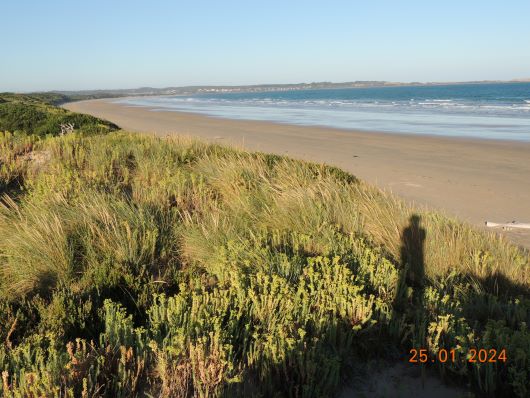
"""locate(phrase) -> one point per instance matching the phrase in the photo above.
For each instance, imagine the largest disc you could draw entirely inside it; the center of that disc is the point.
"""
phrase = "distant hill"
(190, 90)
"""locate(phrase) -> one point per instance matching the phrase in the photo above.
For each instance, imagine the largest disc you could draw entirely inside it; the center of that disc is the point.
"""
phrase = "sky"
(107, 44)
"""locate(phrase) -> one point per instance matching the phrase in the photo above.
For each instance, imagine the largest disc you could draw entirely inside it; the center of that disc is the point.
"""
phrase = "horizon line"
(366, 83)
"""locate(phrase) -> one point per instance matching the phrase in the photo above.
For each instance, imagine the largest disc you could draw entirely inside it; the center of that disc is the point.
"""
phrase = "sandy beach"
(474, 180)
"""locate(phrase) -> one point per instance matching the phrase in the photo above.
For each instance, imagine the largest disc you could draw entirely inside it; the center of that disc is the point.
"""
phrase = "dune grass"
(133, 265)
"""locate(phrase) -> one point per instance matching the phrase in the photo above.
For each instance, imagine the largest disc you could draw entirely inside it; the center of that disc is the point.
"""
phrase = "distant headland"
(190, 90)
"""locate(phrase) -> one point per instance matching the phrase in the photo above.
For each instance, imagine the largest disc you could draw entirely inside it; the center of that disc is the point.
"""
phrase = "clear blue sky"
(53, 44)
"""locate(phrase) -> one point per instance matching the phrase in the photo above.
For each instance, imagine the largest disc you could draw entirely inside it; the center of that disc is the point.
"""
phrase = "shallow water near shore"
(491, 111)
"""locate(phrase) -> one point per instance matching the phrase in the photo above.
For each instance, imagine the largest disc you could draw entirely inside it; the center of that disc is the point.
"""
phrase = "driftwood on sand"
(508, 225)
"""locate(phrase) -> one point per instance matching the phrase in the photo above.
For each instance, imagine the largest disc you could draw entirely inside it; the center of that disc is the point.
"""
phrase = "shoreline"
(475, 180)
(472, 127)
(71, 105)
(466, 139)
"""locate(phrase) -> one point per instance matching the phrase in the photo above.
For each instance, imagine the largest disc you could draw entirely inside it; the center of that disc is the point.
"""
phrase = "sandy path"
(475, 180)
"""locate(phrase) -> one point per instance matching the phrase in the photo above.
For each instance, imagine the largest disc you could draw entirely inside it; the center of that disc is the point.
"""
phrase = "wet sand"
(474, 180)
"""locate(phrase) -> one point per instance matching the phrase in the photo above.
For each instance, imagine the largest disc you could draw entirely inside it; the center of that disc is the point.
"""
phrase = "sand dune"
(474, 180)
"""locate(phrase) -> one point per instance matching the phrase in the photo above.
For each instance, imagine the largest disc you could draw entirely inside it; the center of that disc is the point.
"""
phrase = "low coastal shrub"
(37, 114)
(134, 265)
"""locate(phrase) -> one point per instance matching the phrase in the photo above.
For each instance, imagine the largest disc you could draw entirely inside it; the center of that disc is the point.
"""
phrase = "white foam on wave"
(406, 106)
(501, 107)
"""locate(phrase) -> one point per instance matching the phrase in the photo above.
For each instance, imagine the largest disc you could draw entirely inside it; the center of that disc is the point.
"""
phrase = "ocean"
(491, 111)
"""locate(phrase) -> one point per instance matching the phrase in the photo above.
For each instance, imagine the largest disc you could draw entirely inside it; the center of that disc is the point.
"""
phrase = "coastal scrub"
(134, 265)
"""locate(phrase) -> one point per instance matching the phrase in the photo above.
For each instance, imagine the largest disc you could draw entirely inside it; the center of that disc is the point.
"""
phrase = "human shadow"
(409, 306)
(409, 292)
(412, 252)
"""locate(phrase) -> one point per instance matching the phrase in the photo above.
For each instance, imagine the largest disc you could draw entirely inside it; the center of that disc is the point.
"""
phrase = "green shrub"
(38, 115)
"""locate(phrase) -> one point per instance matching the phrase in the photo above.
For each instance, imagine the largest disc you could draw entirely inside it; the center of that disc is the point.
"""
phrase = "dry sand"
(474, 180)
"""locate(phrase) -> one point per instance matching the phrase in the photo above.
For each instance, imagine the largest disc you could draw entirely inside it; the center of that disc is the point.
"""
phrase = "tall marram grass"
(167, 267)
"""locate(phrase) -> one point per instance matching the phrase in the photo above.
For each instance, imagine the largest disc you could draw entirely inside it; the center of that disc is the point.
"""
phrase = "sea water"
(492, 111)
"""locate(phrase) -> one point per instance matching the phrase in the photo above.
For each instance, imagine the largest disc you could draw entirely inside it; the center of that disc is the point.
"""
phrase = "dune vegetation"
(141, 266)
(37, 114)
